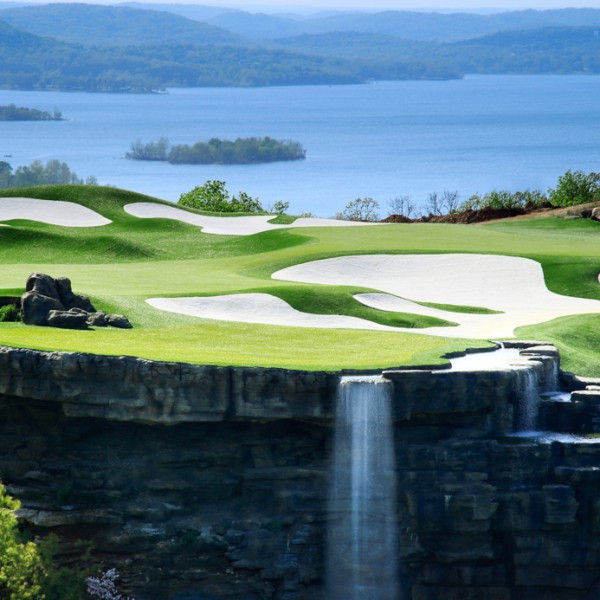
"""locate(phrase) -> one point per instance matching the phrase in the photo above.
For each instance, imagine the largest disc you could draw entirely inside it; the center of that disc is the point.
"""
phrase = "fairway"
(123, 263)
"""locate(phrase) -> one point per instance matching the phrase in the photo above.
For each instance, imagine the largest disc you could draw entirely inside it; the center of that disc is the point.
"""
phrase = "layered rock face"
(208, 482)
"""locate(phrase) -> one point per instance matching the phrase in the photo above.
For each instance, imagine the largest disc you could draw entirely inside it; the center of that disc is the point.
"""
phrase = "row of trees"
(38, 173)
(12, 112)
(217, 151)
(572, 188)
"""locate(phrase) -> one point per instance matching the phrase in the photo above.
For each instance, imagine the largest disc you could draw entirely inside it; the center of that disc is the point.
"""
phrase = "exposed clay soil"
(496, 214)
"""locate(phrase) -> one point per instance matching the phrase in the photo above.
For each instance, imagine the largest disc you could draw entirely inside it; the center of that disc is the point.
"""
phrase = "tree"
(5, 174)
(575, 187)
(401, 205)
(245, 203)
(279, 207)
(214, 197)
(361, 209)
(22, 571)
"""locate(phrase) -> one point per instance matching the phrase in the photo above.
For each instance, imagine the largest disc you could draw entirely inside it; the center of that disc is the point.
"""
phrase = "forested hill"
(422, 26)
(94, 25)
(541, 51)
(123, 49)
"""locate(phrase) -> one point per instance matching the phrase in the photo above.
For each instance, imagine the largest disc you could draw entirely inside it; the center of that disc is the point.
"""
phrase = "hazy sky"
(441, 5)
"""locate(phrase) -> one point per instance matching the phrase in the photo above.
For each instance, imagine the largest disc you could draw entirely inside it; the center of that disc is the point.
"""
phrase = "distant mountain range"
(129, 49)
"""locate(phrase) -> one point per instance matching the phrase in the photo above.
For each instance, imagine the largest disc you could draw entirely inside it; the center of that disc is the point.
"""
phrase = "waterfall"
(528, 399)
(540, 376)
(362, 550)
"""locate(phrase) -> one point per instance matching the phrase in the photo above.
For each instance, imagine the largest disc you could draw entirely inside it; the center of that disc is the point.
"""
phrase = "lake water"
(379, 140)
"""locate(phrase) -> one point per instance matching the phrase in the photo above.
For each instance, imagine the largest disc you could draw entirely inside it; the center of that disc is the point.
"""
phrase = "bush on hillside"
(9, 313)
(504, 199)
(575, 187)
(214, 197)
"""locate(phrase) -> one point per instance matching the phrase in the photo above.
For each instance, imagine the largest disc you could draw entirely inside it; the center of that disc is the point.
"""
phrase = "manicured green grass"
(122, 264)
(577, 337)
(235, 344)
(283, 220)
(457, 308)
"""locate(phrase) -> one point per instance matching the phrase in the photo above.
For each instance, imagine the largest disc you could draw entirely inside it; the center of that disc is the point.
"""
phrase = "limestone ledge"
(122, 388)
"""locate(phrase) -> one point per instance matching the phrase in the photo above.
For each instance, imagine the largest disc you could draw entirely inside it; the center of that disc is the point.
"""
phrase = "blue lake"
(380, 140)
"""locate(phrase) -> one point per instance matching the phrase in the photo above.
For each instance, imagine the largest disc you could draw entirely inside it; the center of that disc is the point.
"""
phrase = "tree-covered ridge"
(217, 151)
(94, 25)
(187, 54)
(541, 51)
(414, 25)
(12, 112)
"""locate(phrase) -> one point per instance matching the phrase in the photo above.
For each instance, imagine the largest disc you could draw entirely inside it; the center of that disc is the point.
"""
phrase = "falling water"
(363, 539)
(528, 399)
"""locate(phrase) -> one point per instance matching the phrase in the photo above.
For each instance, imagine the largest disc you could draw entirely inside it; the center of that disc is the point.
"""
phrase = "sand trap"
(512, 285)
(509, 284)
(258, 308)
(228, 225)
(52, 212)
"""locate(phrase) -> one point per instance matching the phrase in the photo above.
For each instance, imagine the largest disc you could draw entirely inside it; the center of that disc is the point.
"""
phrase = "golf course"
(164, 270)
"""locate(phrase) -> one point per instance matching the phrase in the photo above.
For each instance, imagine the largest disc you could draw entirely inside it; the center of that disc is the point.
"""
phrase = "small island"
(216, 151)
(12, 112)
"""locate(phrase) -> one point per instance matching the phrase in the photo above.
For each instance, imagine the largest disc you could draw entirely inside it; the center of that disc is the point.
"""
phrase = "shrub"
(504, 199)
(22, 570)
(214, 197)
(105, 587)
(575, 187)
(9, 313)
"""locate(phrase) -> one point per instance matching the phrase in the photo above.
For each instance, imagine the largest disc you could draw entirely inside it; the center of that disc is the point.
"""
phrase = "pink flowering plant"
(105, 587)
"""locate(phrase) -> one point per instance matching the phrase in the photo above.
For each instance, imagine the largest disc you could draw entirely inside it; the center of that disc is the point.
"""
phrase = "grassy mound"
(122, 264)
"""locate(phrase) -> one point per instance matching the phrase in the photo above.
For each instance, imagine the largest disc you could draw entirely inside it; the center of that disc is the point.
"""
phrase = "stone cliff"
(211, 482)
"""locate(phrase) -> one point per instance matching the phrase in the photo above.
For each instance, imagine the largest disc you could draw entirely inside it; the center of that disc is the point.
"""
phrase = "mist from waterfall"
(362, 548)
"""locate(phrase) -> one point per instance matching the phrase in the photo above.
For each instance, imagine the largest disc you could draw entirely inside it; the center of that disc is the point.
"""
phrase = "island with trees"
(216, 151)
(54, 172)
(12, 112)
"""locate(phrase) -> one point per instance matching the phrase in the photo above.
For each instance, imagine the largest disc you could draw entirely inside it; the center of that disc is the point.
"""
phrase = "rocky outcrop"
(51, 302)
(211, 482)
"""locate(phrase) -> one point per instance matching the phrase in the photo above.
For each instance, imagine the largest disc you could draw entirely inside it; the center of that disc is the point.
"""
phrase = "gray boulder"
(97, 319)
(67, 319)
(42, 284)
(49, 301)
(118, 321)
(70, 299)
(35, 308)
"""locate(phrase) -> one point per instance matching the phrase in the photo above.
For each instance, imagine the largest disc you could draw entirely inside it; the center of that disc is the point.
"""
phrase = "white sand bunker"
(52, 212)
(258, 308)
(228, 225)
(509, 284)
(512, 285)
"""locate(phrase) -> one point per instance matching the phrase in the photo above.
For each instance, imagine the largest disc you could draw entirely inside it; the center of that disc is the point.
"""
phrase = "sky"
(420, 5)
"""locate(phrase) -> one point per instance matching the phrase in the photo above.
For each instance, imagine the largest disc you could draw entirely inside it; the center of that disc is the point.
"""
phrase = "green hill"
(93, 25)
(414, 25)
